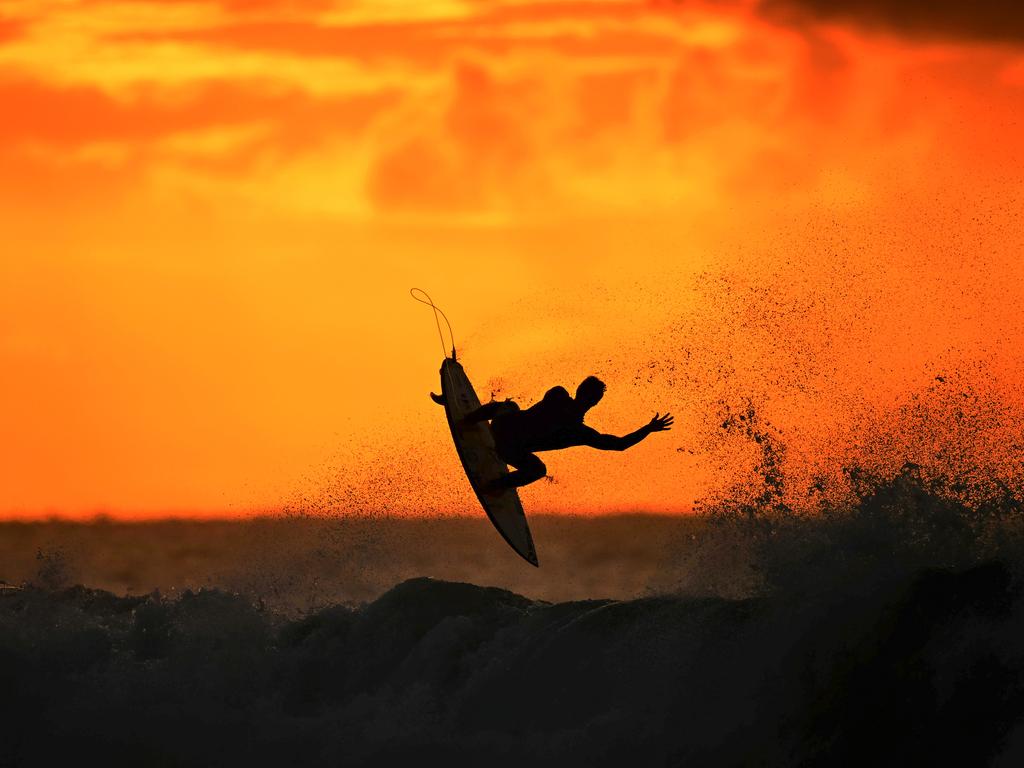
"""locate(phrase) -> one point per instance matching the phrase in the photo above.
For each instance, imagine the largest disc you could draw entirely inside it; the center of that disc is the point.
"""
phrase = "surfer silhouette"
(554, 423)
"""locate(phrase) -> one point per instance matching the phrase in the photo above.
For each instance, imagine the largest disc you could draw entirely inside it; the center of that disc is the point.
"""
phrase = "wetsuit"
(554, 422)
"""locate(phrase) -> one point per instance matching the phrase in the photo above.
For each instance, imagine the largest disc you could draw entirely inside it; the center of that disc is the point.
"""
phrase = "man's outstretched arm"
(613, 443)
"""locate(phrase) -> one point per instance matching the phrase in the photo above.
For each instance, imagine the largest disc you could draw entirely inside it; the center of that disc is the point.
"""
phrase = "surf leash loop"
(437, 311)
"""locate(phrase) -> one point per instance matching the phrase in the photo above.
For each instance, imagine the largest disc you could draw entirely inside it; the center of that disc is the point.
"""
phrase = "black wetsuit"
(554, 422)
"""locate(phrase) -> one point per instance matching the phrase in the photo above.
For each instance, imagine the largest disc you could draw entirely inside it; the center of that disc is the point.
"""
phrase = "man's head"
(590, 391)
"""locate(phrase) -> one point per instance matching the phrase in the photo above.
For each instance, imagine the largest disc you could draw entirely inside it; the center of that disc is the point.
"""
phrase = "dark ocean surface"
(889, 632)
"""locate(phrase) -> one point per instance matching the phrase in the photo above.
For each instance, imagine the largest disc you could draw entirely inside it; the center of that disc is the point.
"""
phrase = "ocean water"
(297, 564)
(888, 630)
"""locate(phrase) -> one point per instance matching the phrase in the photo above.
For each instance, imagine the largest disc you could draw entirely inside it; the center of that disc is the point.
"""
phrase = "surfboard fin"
(439, 399)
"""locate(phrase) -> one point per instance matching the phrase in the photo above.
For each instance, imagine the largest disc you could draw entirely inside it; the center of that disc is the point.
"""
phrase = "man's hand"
(612, 443)
(660, 423)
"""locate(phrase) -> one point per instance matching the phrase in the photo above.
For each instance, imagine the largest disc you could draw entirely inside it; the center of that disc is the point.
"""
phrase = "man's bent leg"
(528, 469)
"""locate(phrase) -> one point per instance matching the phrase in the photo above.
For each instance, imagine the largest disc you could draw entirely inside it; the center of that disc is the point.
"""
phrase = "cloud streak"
(12, 29)
(993, 20)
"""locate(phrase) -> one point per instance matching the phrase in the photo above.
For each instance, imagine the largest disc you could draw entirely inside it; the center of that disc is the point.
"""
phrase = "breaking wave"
(888, 633)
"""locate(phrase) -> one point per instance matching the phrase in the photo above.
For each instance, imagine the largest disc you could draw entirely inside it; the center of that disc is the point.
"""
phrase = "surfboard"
(475, 446)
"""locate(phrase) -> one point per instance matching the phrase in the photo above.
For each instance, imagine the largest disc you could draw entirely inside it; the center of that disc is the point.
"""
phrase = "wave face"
(865, 641)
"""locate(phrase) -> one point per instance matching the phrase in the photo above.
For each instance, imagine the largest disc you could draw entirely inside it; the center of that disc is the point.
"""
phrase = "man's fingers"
(662, 422)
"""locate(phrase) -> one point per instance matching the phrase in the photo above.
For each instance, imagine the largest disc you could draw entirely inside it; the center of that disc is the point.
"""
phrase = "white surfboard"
(475, 446)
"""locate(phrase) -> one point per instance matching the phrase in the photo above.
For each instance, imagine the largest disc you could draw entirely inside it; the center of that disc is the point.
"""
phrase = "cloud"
(993, 20)
(11, 29)
(76, 115)
(478, 148)
(76, 143)
(431, 42)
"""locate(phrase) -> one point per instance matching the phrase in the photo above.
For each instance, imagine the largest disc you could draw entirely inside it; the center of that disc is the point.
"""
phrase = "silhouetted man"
(555, 422)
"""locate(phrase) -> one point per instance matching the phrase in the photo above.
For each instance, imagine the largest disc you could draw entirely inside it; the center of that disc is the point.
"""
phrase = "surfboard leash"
(437, 311)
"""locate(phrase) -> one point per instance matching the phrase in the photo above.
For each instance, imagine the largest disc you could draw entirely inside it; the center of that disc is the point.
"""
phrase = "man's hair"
(591, 388)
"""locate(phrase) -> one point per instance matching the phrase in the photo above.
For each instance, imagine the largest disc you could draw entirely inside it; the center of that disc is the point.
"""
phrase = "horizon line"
(101, 517)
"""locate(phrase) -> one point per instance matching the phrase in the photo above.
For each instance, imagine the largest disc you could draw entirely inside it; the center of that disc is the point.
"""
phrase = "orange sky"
(212, 214)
